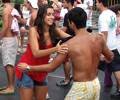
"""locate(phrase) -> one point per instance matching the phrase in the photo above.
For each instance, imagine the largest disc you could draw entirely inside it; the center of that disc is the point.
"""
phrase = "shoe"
(2, 88)
(4, 92)
(63, 83)
(116, 95)
(47, 97)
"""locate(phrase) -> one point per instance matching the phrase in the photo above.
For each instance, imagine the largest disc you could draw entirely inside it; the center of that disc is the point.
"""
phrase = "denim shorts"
(27, 82)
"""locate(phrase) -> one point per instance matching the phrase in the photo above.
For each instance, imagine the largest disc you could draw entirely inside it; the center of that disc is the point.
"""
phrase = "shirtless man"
(85, 50)
(10, 43)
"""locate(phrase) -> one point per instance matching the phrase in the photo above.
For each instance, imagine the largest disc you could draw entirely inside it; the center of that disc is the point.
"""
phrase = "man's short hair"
(115, 8)
(78, 16)
(104, 2)
(6, 1)
(70, 1)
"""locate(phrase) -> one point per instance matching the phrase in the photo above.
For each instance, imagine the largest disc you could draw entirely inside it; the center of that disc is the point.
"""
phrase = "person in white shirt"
(89, 11)
(107, 25)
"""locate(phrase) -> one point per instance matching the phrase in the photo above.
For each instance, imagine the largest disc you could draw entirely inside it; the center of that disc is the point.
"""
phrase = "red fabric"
(28, 58)
(57, 15)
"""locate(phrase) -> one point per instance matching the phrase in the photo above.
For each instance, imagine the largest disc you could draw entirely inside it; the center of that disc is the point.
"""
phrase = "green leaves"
(1, 23)
(18, 1)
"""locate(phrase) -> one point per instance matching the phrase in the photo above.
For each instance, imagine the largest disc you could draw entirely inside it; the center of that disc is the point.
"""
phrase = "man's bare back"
(7, 19)
(85, 50)
(10, 21)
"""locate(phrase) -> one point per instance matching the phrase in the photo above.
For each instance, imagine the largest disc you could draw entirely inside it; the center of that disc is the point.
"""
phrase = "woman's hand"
(23, 66)
(62, 48)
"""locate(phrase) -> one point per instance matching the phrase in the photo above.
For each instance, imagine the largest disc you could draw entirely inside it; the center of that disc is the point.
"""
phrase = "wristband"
(28, 67)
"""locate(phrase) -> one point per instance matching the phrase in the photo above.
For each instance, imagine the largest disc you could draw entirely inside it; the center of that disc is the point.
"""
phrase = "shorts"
(114, 65)
(89, 90)
(27, 82)
(9, 50)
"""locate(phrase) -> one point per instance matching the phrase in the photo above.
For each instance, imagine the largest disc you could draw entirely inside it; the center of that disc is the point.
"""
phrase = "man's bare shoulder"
(99, 36)
(7, 10)
(70, 40)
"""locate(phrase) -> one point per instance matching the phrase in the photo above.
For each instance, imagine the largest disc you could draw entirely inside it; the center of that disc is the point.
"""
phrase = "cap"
(34, 3)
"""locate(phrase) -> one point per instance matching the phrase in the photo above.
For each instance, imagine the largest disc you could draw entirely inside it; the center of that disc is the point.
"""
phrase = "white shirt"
(14, 25)
(63, 12)
(88, 3)
(108, 22)
(83, 6)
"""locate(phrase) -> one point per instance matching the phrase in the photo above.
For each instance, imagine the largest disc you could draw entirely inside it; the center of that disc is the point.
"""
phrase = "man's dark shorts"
(114, 65)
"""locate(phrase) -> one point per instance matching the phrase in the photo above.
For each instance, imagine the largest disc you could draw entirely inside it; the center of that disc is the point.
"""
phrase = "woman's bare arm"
(61, 33)
(33, 41)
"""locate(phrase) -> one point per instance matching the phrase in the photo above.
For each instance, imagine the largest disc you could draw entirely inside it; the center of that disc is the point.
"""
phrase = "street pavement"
(55, 92)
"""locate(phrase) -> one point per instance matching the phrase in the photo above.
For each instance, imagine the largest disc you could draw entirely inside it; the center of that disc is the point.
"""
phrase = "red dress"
(28, 58)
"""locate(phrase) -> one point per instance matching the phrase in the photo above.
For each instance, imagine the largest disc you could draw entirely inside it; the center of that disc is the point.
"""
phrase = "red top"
(28, 58)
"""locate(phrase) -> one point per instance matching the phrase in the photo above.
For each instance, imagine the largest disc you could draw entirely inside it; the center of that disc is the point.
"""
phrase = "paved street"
(55, 92)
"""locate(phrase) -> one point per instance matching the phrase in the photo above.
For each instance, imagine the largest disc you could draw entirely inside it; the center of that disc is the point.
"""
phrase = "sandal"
(63, 83)
(2, 88)
(4, 92)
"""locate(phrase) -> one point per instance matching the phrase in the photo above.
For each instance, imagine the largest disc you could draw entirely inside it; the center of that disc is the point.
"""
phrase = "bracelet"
(28, 67)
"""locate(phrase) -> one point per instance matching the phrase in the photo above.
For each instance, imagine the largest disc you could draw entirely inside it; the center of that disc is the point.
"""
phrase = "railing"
(113, 2)
(110, 2)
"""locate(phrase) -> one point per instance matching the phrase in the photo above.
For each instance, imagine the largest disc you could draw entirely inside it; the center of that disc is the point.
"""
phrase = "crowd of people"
(63, 28)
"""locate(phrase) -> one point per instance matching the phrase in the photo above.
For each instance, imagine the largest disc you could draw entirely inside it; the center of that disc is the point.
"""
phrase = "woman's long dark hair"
(39, 23)
(18, 8)
(5, 1)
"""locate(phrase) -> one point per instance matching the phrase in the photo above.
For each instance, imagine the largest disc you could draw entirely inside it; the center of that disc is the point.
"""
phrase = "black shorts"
(114, 65)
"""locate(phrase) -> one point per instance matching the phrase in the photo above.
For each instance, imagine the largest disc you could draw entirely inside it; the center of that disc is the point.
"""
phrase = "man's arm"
(108, 54)
(105, 33)
(5, 22)
(21, 20)
(46, 67)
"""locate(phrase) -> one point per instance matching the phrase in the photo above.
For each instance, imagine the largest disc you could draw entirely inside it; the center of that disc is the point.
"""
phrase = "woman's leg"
(41, 92)
(26, 93)
(26, 87)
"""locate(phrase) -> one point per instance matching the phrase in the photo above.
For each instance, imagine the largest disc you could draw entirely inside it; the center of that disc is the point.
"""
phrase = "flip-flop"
(63, 83)
(4, 92)
(2, 88)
